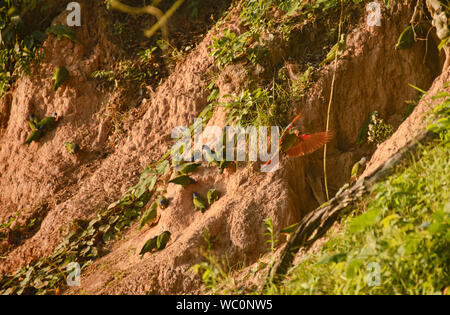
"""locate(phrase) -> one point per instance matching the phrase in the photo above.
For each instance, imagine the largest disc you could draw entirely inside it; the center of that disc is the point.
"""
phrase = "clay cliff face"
(45, 181)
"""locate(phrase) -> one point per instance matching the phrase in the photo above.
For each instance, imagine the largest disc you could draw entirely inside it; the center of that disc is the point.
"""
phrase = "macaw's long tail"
(307, 144)
(270, 160)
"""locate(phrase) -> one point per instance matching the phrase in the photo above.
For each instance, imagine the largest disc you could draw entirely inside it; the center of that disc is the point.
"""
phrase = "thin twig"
(330, 102)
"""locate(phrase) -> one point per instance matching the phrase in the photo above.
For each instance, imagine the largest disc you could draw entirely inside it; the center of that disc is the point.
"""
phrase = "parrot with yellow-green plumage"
(59, 77)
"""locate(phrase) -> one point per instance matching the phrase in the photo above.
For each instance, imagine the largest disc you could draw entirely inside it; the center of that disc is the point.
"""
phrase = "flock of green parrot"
(39, 127)
(183, 179)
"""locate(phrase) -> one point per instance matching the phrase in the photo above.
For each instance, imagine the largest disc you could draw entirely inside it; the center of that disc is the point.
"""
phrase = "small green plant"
(229, 47)
(147, 55)
(272, 240)
(214, 272)
(300, 84)
(250, 108)
(125, 71)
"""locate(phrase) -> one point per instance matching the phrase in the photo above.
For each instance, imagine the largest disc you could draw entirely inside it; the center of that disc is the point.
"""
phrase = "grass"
(404, 232)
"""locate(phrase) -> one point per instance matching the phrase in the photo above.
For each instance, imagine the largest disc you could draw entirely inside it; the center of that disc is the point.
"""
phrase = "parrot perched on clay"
(183, 180)
(149, 215)
(72, 147)
(210, 155)
(163, 202)
(212, 196)
(59, 77)
(338, 48)
(48, 123)
(199, 202)
(33, 122)
(185, 169)
(35, 135)
(162, 240)
(358, 169)
(149, 246)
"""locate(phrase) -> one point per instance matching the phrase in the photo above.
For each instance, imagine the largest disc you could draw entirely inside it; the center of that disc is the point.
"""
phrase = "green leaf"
(364, 220)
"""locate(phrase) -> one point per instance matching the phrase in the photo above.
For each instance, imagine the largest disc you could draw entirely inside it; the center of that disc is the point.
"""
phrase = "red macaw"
(295, 144)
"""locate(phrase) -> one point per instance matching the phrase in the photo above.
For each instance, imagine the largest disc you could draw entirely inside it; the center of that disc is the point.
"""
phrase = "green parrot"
(338, 48)
(210, 155)
(149, 246)
(406, 39)
(48, 123)
(183, 180)
(162, 240)
(149, 215)
(212, 196)
(35, 135)
(33, 122)
(60, 76)
(223, 165)
(187, 168)
(163, 202)
(72, 147)
(358, 169)
(199, 202)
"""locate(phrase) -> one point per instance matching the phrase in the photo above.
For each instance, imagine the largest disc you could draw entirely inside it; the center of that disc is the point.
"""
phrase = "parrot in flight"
(358, 169)
(183, 180)
(212, 196)
(307, 144)
(72, 147)
(294, 144)
(59, 76)
(199, 202)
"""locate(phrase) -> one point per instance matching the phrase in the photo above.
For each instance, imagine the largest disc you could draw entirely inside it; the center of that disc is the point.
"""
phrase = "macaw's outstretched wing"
(307, 144)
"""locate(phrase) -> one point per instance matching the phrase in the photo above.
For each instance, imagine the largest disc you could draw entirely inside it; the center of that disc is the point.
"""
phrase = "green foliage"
(252, 108)
(229, 47)
(441, 115)
(19, 45)
(125, 71)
